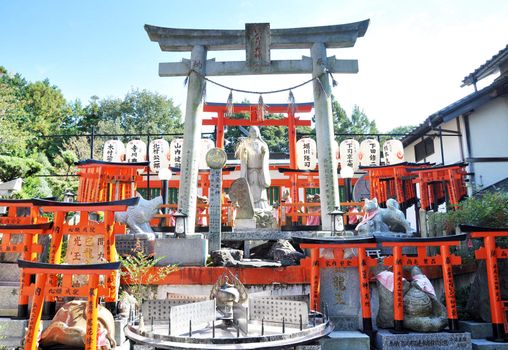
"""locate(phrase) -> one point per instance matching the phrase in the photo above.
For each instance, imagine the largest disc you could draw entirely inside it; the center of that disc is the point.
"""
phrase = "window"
(424, 149)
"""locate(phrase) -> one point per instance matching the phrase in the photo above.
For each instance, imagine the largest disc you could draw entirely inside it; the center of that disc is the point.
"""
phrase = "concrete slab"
(182, 251)
(386, 340)
(478, 330)
(345, 340)
(483, 344)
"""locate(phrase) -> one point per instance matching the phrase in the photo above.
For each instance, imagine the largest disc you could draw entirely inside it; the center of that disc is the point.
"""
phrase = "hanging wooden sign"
(369, 154)
(306, 154)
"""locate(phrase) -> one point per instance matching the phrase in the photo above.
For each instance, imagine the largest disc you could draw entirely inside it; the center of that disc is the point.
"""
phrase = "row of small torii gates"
(437, 184)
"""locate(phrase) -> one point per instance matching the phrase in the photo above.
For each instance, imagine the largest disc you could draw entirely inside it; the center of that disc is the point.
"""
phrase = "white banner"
(349, 153)
(306, 154)
(114, 151)
(136, 151)
(175, 153)
(159, 155)
(369, 153)
(393, 151)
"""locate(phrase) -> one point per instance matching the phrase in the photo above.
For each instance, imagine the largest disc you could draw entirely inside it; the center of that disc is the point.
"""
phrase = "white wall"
(451, 147)
(489, 138)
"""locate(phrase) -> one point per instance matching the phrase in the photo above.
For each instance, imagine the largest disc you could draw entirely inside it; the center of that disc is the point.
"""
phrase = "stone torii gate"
(257, 40)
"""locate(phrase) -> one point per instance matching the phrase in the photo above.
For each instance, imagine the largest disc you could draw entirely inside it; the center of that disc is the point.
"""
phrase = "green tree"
(358, 123)
(402, 130)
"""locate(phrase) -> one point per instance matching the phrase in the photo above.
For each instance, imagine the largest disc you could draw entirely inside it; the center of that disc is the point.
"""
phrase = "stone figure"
(137, 218)
(254, 155)
(378, 219)
(423, 312)
(68, 327)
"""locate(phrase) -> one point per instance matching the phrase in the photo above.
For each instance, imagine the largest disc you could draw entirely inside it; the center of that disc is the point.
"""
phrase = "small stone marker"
(216, 159)
(240, 195)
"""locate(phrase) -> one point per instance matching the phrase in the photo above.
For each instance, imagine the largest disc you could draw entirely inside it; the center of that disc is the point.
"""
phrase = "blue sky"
(412, 58)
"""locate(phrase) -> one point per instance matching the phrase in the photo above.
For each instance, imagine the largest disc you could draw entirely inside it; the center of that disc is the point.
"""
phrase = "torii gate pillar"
(257, 40)
(187, 193)
(328, 189)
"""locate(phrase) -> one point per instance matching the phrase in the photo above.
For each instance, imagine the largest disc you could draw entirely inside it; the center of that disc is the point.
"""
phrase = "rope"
(202, 76)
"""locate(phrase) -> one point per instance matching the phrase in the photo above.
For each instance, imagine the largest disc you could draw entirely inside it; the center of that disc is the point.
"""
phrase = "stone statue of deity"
(254, 155)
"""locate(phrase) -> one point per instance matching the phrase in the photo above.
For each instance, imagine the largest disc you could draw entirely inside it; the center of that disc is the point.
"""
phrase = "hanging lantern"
(369, 153)
(136, 151)
(336, 152)
(306, 154)
(349, 153)
(206, 145)
(114, 151)
(394, 152)
(175, 153)
(159, 155)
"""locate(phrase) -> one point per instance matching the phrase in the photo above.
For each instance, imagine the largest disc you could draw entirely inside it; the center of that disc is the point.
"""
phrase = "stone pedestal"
(422, 341)
(190, 251)
(245, 224)
(345, 340)
(478, 330)
(9, 289)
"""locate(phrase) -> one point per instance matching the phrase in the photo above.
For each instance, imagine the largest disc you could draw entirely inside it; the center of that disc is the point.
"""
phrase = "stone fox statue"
(383, 220)
(137, 218)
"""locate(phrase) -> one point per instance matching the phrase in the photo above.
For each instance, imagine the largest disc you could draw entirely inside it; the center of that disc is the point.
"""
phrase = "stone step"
(385, 340)
(345, 340)
(478, 330)
(483, 344)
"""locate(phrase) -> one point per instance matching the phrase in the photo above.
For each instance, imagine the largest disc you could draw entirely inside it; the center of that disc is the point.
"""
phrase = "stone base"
(181, 251)
(9, 272)
(385, 340)
(478, 330)
(345, 340)
(483, 344)
(9, 296)
(245, 224)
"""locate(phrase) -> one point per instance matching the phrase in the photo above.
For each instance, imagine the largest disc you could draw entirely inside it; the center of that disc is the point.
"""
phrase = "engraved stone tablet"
(257, 41)
(242, 197)
(273, 310)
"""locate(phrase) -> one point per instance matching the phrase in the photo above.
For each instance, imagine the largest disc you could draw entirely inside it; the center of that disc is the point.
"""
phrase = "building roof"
(465, 105)
(489, 67)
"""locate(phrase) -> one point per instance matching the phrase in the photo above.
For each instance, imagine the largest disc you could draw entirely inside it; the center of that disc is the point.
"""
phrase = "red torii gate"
(291, 122)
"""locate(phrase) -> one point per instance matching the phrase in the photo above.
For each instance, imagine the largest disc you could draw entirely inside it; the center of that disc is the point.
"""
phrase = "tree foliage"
(359, 123)
(31, 113)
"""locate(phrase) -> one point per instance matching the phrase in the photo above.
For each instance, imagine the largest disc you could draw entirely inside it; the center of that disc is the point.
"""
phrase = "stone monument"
(216, 159)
